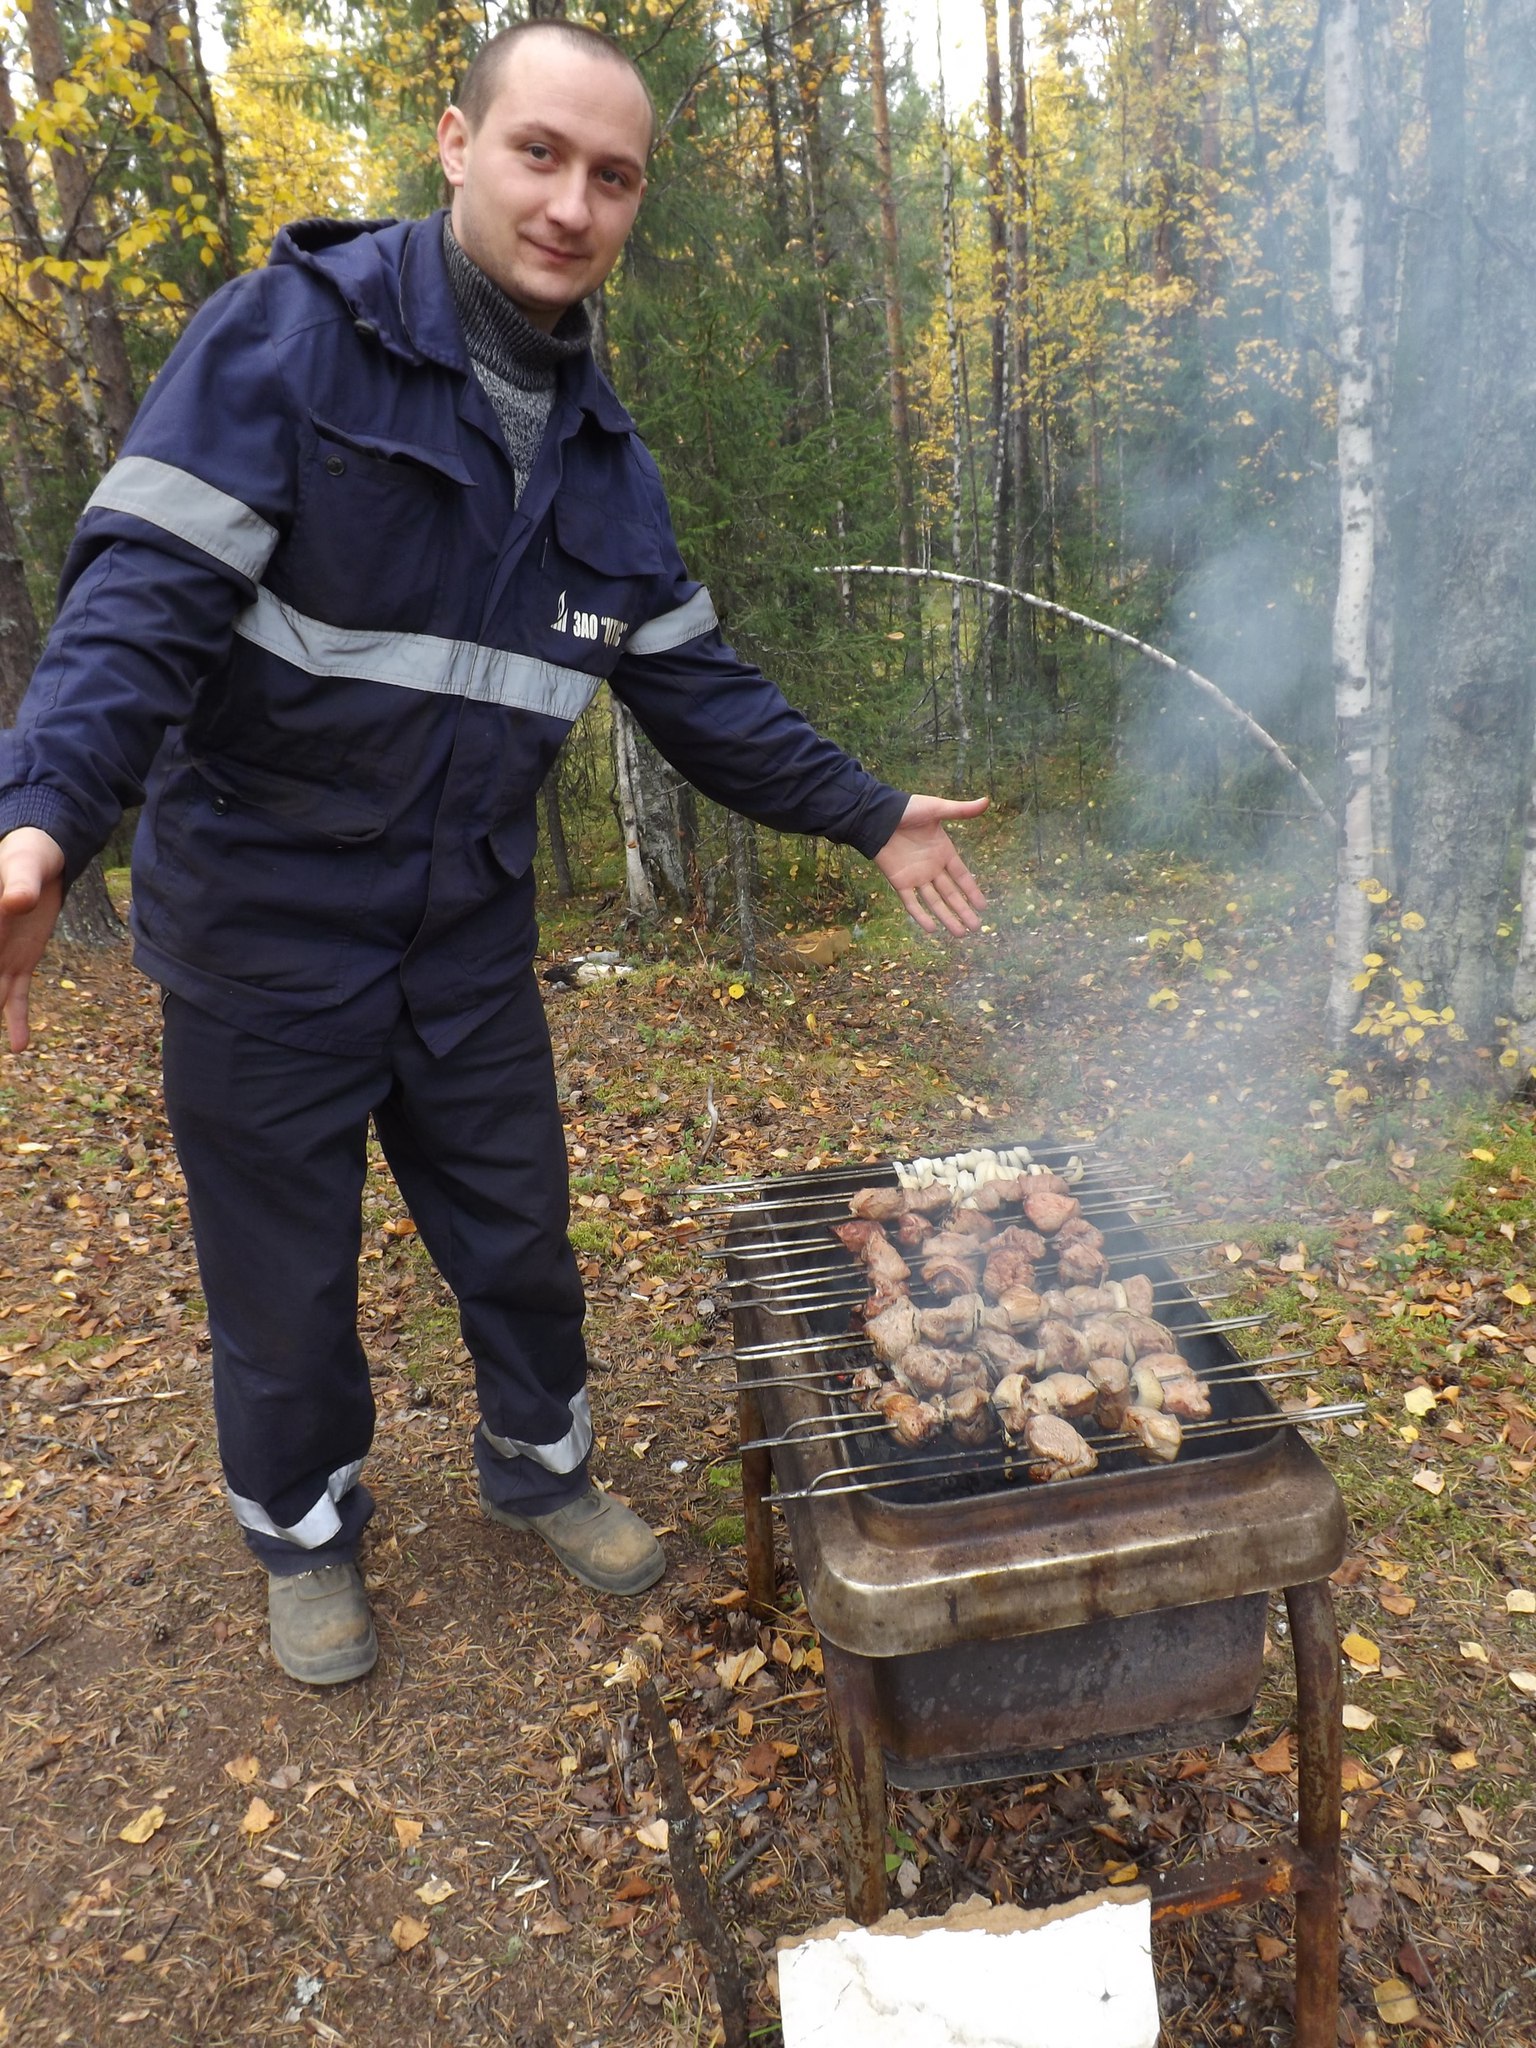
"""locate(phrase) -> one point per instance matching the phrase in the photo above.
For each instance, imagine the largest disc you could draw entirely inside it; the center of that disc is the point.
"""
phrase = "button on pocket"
(334, 466)
(220, 806)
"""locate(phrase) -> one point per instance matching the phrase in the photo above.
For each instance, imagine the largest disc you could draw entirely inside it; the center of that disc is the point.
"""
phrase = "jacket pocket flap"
(315, 806)
(445, 462)
(608, 538)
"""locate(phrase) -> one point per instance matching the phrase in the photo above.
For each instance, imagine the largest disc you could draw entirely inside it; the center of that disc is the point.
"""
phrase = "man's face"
(548, 186)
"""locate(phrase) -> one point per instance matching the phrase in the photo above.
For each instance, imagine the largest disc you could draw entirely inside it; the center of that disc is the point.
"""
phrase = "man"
(379, 531)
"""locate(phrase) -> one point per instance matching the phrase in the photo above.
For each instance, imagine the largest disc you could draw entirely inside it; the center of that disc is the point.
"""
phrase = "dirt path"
(463, 1848)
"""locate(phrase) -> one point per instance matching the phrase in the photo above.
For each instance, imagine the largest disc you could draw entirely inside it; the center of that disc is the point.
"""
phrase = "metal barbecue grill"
(976, 1626)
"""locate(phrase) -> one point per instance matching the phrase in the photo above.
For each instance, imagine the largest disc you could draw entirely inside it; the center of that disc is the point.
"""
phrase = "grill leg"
(856, 1728)
(757, 1515)
(1319, 1757)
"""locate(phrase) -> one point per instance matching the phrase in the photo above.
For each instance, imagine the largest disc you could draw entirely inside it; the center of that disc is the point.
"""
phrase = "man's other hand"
(923, 867)
(31, 891)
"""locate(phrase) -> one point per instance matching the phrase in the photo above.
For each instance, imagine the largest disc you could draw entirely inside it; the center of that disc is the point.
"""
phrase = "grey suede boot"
(322, 1632)
(604, 1544)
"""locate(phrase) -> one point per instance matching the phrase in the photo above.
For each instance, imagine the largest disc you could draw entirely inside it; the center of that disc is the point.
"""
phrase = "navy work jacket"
(303, 613)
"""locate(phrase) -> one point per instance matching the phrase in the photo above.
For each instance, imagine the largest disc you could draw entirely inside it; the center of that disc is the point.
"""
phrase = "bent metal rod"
(1008, 1461)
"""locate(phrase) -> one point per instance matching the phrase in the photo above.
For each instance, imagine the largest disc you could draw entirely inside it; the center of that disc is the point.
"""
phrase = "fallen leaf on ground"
(1485, 1860)
(1270, 1947)
(1279, 1759)
(1464, 1760)
(550, 1923)
(735, 1671)
(1419, 1400)
(1520, 1601)
(407, 1832)
(273, 1878)
(407, 1933)
(143, 1825)
(653, 1834)
(257, 1818)
(1474, 1653)
(1358, 1718)
(1362, 1652)
(1475, 1823)
(435, 1890)
(1431, 1482)
(1354, 1776)
(245, 1770)
(1400, 1604)
(1523, 1681)
(1395, 2003)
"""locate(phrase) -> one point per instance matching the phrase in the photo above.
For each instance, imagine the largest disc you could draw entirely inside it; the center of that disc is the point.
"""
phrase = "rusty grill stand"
(1308, 1868)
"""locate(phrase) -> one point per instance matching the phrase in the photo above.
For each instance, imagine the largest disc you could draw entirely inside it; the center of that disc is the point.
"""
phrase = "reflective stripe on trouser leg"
(273, 1142)
(476, 1144)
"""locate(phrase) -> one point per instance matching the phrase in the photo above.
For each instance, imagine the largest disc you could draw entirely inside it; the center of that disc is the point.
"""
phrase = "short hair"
(478, 88)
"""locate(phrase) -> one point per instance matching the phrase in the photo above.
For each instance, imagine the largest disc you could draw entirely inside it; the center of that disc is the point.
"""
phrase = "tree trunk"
(1354, 706)
(1478, 700)
(956, 423)
(742, 841)
(802, 47)
(890, 246)
(1025, 556)
(554, 834)
(999, 559)
(83, 237)
(1429, 391)
(642, 896)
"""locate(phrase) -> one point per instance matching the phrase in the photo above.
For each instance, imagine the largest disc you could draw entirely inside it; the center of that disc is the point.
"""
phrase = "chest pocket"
(598, 567)
(381, 521)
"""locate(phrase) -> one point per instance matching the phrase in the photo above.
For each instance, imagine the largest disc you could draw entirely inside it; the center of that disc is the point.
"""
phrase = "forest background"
(1212, 323)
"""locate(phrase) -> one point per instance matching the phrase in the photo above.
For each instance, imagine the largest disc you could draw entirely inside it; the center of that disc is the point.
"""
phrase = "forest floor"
(464, 1848)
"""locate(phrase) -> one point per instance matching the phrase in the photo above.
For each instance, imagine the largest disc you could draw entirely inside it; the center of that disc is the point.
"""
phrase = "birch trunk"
(890, 249)
(1354, 708)
(956, 423)
(642, 896)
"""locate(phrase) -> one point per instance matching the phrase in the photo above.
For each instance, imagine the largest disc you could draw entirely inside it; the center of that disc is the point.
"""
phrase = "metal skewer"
(768, 1247)
(917, 1472)
(807, 1208)
(783, 1305)
(875, 1172)
(790, 1347)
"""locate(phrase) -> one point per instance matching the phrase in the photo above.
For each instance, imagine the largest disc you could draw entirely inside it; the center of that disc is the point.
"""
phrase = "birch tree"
(1354, 708)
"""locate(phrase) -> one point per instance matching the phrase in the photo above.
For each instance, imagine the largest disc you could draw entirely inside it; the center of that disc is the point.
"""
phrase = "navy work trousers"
(273, 1142)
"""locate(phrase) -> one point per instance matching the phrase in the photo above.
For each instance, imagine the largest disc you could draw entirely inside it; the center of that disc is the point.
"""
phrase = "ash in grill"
(977, 1627)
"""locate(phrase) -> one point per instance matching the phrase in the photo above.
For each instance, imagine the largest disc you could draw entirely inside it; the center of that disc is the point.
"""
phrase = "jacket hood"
(392, 278)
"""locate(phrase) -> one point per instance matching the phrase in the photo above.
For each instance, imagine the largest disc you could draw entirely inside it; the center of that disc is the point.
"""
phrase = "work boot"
(602, 1542)
(322, 1632)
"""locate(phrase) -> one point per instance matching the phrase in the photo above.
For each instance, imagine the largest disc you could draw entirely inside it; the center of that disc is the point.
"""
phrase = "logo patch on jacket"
(588, 625)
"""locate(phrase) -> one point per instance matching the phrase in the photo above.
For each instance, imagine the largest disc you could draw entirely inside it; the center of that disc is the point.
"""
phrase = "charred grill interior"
(978, 1626)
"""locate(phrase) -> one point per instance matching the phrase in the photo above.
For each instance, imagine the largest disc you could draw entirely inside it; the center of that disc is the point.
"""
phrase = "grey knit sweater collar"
(498, 333)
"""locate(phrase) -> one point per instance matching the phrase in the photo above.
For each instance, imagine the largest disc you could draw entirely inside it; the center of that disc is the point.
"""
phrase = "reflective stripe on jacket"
(303, 613)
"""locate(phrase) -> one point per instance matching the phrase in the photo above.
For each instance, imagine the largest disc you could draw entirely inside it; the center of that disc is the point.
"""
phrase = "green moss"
(726, 1478)
(726, 1532)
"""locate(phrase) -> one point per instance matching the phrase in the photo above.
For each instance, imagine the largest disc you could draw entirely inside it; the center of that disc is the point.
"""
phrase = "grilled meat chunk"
(926, 1370)
(1109, 1375)
(1104, 1337)
(1158, 1433)
(1059, 1452)
(969, 1414)
(950, 1265)
(1048, 1211)
(1078, 1230)
(971, 1223)
(1004, 1269)
(1185, 1397)
(1061, 1347)
(1015, 1238)
(914, 1230)
(1144, 1333)
(856, 1235)
(912, 1421)
(1079, 1265)
(894, 1330)
(951, 1324)
(1137, 1289)
(1003, 1354)
(1014, 1400)
(880, 1204)
(1016, 1308)
(1065, 1393)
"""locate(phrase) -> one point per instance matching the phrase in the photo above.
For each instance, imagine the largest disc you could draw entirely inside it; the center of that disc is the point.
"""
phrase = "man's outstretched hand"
(31, 891)
(923, 867)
